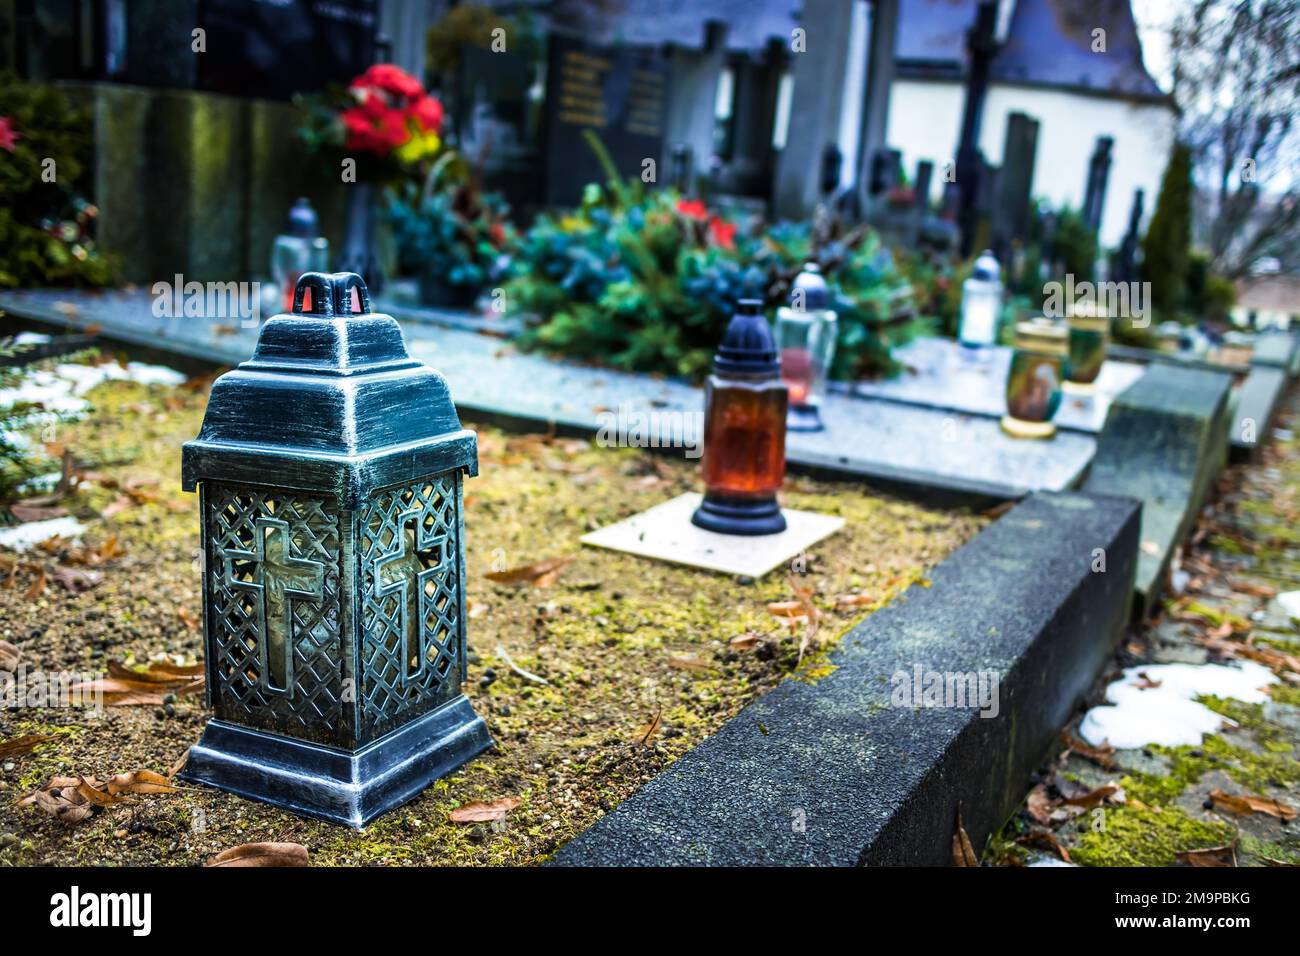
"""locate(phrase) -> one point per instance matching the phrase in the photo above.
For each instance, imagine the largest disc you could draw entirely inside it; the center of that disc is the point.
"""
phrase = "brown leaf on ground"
(484, 812)
(1144, 682)
(9, 656)
(77, 580)
(744, 642)
(179, 765)
(126, 687)
(1247, 804)
(1254, 590)
(963, 854)
(187, 618)
(853, 600)
(21, 746)
(1046, 839)
(1039, 804)
(38, 585)
(261, 855)
(116, 506)
(690, 662)
(32, 512)
(139, 781)
(1096, 797)
(786, 609)
(1210, 856)
(1103, 756)
(541, 574)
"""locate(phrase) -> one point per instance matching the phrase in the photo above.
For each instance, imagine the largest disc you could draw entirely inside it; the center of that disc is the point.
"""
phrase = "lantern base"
(1019, 428)
(739, 516)
(803, 418)
(1081, 389)
(349, 787)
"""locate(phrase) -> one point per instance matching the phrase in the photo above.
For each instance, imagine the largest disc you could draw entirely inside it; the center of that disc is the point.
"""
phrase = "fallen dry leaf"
(38, 585)
(126, 687)
(9, 656)
(1103, 756)
(261, 854)
(786, 609)
(77, 580)
(21, 746)
(963, 854)
(1247, 804)
(1045, 838)
(853, 600)
(689, 662)
(1039, 804)
(187, 618)
(1096, 797)
(484, 812)
(30, 512)
(541, 574)
(744, 642)
(1145, 683)
(139, 781)
(1210, 856)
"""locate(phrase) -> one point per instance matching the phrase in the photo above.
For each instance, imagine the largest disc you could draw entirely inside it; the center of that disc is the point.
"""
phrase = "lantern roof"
(331, 401)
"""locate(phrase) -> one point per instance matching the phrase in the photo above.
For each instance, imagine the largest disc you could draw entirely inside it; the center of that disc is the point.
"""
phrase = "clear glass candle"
(981, 303)
(1089, 334)
(806, 331)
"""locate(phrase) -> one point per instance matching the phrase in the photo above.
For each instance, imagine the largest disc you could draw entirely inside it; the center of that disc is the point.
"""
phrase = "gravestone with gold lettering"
(329, 468)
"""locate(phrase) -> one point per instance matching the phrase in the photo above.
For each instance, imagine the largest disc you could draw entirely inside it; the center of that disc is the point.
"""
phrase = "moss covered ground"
(641, 661)
(1244, 551)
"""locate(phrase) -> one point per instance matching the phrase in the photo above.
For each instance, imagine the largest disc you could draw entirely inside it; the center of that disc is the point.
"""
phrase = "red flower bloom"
(692, 209)
(8, 135)
(722, 233)
(391, 105)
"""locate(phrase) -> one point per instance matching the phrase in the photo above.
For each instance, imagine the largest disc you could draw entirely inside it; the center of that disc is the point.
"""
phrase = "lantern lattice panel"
(411, 634)
(275, 560)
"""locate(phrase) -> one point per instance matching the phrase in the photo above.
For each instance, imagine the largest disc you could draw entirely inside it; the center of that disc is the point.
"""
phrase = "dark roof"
(751, 24)
(1048, 43)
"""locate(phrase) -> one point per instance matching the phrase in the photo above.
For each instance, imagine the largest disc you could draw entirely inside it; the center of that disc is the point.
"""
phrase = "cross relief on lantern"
(418, 555)
(278, 579)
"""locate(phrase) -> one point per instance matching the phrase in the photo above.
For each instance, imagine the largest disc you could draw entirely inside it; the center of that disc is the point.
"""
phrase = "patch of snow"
(1290, 601)
(31, 338)
(24, 537)
(1169, 715)
(1049, 861)
(60, 389)
(40, 484)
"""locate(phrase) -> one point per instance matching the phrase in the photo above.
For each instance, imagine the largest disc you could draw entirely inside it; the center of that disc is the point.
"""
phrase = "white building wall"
(925, 118)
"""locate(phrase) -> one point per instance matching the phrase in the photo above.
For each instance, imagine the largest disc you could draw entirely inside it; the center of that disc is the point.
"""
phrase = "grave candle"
(1089, 333)
(981, 301)
(329, 470)
(806, 330)
(745, 405)
(1038, 364)
(297, 251)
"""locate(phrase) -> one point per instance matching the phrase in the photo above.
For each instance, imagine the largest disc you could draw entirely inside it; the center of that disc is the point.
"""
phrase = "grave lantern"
(744, 430)
(329, 470)
(806, 330)
(981, 301)
(1039, 363)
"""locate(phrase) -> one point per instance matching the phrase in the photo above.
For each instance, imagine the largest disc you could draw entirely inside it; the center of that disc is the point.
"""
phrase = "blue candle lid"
(748, 347)
(816, 294)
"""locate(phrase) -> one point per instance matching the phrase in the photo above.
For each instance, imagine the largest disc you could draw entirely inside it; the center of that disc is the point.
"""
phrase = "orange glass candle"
(745, 405)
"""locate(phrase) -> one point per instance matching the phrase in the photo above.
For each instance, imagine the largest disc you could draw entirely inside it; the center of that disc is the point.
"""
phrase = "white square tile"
(665, 532)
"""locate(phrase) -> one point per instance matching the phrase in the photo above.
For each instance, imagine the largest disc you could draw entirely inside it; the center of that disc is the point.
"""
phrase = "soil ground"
(622, 643)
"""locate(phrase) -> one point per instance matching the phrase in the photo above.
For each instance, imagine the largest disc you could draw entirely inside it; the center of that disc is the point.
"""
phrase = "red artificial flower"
(8, 135)
(722, 233)
(692, 209)
(391, 105)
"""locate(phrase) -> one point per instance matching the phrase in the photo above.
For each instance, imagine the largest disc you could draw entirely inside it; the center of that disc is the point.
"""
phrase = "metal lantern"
(329, 470)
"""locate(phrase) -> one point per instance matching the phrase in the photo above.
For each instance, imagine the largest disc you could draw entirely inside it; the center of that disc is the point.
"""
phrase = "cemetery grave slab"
(863, 768)
(640, 660)
(665, 533)
(939, 373)
(1165, 442)
(1257, 401)
(928, 452)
